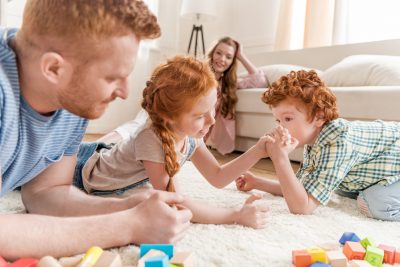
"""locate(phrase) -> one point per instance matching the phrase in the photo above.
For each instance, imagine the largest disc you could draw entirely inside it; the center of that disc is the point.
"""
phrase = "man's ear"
(55, 68)
(320, 118)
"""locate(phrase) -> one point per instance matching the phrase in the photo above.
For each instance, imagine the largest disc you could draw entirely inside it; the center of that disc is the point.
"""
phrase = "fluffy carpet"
(233, 245)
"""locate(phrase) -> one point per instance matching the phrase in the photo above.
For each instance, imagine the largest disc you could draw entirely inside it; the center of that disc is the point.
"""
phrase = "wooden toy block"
(301, 258)
(367, 242)
(359, 263)
(70, 261)
(91, 257)
(160, 261)
(353, 250)
(109, 259)
(317, 254)
(24, 262)
(336, 258)
(397, 256)
(374, 256)
(173, 265)
(48, 261)
(166, 248)
(3, 262)
(389, 253)
(320, 264)
(348, 236)
(183, 259)
(151, 253)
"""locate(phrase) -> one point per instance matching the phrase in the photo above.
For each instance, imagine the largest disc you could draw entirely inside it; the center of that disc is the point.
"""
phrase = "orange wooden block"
(354, 250)
(301, 258)
(389, 255)
(24, 262)
(397, 256)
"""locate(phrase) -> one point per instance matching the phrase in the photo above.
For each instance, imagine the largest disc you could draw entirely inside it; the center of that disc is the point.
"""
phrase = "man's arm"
(152, 221)
(52, 193)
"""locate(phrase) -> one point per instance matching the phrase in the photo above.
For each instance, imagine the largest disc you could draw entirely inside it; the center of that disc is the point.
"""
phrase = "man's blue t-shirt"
(29, 141)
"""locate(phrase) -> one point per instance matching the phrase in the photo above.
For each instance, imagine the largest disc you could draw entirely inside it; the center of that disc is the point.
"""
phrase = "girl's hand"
(284, 143)
(245, 182)
(252, 215)
(261, 145)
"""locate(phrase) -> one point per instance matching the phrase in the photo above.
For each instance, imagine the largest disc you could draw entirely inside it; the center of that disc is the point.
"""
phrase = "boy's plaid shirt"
(351, 156)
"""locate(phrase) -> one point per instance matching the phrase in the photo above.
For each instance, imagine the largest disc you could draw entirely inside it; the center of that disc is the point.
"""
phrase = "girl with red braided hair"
(180, 98)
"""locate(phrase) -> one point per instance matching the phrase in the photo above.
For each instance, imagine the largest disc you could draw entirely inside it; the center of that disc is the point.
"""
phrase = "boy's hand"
(261, 145)
(252, 215)
(245, 182)
(284, 142)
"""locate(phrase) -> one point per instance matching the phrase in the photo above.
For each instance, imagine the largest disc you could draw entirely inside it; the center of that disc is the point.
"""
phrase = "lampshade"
(199, 9)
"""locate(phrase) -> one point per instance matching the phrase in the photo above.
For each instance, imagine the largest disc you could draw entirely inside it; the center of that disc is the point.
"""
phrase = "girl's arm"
(248, 215)
(220, 176)
(249, 181)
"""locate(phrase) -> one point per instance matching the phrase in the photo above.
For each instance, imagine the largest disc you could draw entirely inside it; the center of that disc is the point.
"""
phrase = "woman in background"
(222, 58)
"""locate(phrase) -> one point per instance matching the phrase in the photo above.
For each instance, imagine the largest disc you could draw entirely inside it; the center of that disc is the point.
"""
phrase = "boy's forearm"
(266, 185)
(293, 191)
(67, 200)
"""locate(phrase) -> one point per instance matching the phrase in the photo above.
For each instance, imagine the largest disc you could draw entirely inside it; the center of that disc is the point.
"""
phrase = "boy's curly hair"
(306, 87)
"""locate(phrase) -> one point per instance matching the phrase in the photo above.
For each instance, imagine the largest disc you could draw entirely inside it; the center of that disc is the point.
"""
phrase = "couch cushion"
(364, 70)
(274, 72)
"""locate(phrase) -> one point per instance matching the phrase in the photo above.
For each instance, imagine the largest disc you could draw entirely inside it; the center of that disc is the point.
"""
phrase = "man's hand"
(245, 182)
(159, 221)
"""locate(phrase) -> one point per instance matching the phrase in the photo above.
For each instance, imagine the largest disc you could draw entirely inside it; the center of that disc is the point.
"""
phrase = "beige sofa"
(365, 90)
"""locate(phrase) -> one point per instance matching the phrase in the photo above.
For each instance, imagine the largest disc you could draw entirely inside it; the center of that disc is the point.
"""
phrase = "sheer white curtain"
(312, 23)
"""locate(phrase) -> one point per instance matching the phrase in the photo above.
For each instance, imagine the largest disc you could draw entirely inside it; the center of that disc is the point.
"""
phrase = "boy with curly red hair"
(356, 159)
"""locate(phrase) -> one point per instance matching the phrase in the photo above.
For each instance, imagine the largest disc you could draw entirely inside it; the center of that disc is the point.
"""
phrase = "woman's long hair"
(172, 90)
(229, 80)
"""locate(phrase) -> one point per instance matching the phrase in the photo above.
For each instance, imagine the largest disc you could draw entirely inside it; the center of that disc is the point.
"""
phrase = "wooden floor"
(263, 168)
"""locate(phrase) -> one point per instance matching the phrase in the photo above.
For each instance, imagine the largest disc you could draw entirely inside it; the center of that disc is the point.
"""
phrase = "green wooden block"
(367, 242)
(173, 265)
(374, 256)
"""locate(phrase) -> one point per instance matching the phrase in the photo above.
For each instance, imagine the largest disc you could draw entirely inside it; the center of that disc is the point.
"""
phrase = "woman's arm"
(251, 69)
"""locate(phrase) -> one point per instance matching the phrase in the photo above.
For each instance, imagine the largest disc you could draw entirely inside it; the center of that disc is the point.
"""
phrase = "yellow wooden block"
(317, 254)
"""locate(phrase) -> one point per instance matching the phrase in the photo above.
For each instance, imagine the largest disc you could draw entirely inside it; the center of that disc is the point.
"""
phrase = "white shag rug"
(233, 245)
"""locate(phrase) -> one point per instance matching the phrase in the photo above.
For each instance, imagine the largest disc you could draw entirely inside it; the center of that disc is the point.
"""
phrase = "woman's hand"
(253, 215)
(239, 51)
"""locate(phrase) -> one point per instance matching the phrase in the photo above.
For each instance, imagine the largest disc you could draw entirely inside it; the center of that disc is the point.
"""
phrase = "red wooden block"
(25, 262)
(354, 251)
(397, 256)
(389, 251)
(3, 262)
(301, 258)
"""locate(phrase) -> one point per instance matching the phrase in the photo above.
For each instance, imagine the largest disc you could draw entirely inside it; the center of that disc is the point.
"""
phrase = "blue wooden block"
(348, 236)
(320, 264)
(159, 261)
(166, 248)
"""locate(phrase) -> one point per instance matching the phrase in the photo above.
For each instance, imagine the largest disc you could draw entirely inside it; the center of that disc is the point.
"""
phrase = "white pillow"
(364, 70)
(276, 71)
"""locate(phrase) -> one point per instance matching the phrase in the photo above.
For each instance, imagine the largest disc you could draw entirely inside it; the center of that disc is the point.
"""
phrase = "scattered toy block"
(48, 261)
(166, 248)
(24, 262)
(317, 254)
(336, 258)
(359, 263)
(389, 253)
(3, 262)
(397, 256)
(109, 259)
(301, 258)
(374, 256)
(353, 250)
(320, 264)
(160, 261)
(70, 261)
(330, 246)
(151, 253)
(183, 259)
(367, 242)
(91, 257)
(348, 236)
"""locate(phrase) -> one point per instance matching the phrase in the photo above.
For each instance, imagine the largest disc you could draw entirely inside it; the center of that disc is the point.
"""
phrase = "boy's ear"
(320, 118)
(55, 68)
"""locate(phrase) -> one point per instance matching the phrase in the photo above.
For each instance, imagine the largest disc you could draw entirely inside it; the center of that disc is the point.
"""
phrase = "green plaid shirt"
(351, 156)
